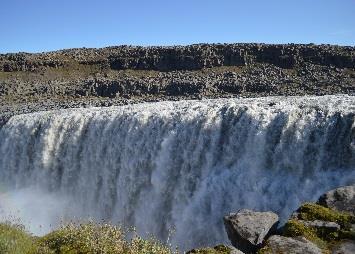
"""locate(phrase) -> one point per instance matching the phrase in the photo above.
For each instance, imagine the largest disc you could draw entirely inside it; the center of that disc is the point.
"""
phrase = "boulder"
(346, 247)
(247, 229)
(286, 245)
(341, 199)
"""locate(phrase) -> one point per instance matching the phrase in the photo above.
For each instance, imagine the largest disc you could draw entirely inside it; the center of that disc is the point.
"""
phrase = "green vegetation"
(295, 228)
(265, 250)
(90, 238)
(323, 237)
(310, 211)
(219, 249)
(14, 240)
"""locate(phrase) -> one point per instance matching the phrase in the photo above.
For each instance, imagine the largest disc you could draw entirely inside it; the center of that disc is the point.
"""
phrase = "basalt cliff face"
(125, 74)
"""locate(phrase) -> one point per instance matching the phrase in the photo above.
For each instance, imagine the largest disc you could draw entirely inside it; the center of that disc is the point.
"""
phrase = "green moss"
(322, 237)
(295, 228)
(265, 250)
(219, 249)
(310, 212)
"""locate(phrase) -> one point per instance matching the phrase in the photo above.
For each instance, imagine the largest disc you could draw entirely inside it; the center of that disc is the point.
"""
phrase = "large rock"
(346, 247)
(247, 229)
(341, 199)
(286, 245)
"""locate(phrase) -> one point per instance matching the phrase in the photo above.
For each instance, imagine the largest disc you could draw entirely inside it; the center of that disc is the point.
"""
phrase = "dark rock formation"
(192, 57)
(127, 74)
(247, 229)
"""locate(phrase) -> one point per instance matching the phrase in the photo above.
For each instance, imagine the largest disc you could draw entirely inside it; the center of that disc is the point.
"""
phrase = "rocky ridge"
(129, 74)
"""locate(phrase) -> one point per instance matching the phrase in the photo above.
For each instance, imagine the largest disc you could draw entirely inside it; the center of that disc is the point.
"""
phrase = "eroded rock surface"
(286, 245)
(341, 199)
(247, 229)
(346, 247)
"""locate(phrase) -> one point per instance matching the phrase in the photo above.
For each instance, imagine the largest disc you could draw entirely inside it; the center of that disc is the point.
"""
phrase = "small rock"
(341, 199)
(327, 225)
(286, 245)
(247, 229)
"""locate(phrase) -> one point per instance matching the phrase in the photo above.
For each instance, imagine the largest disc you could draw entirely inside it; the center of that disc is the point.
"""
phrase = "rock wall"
(192, 57)
(129, 74)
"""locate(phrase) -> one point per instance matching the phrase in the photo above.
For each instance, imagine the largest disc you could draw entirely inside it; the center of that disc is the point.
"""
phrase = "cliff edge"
(128, 74)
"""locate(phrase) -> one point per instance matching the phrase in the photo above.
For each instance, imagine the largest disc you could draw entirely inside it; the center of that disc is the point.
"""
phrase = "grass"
(89, 238)
(15, 240)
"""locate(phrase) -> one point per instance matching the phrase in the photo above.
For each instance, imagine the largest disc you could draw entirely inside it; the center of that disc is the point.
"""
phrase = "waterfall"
(175, 167)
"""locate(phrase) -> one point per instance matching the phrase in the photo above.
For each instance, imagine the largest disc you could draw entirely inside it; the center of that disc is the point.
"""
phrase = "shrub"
(89, 238)
(85, 238)
(15, 240)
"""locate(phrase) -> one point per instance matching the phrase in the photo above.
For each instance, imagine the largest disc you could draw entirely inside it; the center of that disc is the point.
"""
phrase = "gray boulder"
(346, 247)
(341, 199)
(286, 245)
(247, 229)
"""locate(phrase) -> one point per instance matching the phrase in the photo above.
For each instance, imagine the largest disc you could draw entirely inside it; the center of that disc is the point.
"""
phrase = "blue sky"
(43, 25)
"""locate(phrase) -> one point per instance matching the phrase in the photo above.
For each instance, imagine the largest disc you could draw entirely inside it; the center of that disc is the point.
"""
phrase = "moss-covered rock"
(286, 245)
(219, 249)
(294, 228)
(310, 212)
(324, 237)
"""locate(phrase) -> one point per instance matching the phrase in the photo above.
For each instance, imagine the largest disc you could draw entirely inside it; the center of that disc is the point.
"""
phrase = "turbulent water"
(175, 166)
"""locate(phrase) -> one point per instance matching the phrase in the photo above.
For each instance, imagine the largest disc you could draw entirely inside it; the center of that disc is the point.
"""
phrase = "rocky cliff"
(125, 74)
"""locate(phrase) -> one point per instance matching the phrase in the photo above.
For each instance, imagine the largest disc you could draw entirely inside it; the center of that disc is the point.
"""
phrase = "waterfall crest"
(175, 166)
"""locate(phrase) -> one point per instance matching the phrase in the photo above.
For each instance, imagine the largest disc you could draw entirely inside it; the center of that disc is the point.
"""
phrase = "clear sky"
(43, 25)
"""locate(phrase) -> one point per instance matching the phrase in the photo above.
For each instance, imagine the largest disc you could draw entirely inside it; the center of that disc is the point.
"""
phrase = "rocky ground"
(325, 227)
(127, 74)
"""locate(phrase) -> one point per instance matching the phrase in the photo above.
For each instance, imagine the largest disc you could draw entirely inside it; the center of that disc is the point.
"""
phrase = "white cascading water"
(175, 166)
